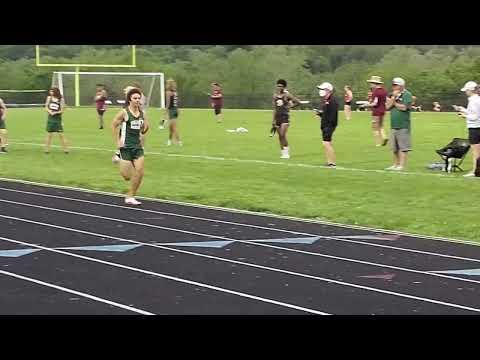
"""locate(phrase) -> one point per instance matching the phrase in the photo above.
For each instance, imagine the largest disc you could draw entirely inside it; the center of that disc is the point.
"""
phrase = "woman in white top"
(472, 115)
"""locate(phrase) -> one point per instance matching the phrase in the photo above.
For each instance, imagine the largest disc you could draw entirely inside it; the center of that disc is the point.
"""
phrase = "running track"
(66, 251)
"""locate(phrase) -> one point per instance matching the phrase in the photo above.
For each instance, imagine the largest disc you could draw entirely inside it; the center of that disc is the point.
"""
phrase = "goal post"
(81, 64)
(78, 88)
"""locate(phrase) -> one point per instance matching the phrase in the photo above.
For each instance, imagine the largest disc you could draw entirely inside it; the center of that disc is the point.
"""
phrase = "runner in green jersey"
(55, 106)
(171, 111)
(127, 127)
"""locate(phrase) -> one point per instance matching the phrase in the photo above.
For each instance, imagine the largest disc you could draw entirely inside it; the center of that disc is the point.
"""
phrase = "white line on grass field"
(254, 161)
(248, 212)
(177, 279)
(338, 239)
(255, 265)
(75, 292)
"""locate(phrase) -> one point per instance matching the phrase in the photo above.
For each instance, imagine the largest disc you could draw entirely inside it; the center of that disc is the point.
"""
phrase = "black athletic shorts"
(217, 109)
(349, 103)
(282, 119)
(474, 135)
(327, 133)
(101, 111)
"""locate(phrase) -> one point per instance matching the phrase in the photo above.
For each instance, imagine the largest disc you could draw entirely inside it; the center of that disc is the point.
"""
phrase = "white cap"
(325, 86)
(470, 85)
(398, 81)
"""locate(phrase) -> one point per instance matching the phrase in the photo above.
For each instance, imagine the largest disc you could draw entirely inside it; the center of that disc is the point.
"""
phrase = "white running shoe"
(169, 142)
(132, 201)
(398, 168)
(471, 174)
(161, 127)
(180, 143)
(285, 155)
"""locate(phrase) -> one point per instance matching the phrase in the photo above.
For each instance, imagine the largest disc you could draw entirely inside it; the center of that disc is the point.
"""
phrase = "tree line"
(248, 72)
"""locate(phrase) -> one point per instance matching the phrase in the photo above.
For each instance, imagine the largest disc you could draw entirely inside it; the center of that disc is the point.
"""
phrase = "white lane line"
(334, 238)
(251, 242)
(250, 264)
(247, 212)
(174, 278)
(254, 161)
(75, 292)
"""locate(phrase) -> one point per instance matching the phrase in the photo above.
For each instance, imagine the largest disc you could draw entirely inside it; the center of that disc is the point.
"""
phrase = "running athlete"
(171, 112)
(217, 101)
(55, 107)
(3, 128)
(143, 101)
(127, 126)
(100, 98)
(281, 114)
(348, 97)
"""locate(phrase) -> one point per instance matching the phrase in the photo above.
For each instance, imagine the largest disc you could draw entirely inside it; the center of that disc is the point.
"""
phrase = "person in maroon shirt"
(217, 101)
(100, 98)
(377, 103)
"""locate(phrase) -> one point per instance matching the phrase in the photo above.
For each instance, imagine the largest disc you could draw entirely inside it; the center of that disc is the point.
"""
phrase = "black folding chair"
(455, 151)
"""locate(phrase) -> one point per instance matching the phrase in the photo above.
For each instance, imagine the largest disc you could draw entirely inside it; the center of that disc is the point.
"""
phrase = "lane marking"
(254, 265)
(248, 212)
(169, 277)
(75, 292)
(335, 238)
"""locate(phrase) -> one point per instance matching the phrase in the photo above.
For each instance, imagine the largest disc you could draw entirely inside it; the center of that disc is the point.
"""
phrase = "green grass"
(425, 202)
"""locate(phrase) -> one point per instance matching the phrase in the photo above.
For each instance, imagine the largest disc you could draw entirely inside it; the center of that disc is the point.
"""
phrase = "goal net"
(78, 89)
(23, 98)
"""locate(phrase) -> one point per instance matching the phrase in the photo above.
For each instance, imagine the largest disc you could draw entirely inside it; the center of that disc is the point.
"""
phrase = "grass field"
(244, 171)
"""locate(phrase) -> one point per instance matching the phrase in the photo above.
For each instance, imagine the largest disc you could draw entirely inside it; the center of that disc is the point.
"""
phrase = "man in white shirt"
(472, 115)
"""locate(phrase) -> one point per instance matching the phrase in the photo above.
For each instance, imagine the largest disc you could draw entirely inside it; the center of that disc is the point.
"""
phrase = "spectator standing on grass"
(472, 115)
(399, 104)
(329, 120)
(55, 107)
(100, 99)
(172, 112)
(3, 128)
(283, 101)
(436, 106)
(347, 97)
(377, 103)
(216, 99)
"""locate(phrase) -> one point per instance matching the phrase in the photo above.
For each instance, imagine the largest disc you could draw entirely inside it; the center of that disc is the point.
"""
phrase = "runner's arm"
(117, 121)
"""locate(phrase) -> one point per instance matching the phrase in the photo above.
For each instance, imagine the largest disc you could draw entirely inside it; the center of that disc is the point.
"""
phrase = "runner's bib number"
(136, 124)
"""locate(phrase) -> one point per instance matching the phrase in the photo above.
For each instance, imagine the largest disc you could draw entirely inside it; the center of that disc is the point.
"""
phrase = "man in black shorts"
(329, 120)
(283, 101)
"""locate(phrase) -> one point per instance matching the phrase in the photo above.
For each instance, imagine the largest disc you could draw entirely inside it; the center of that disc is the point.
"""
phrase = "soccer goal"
(78, 88)
(23, 98)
